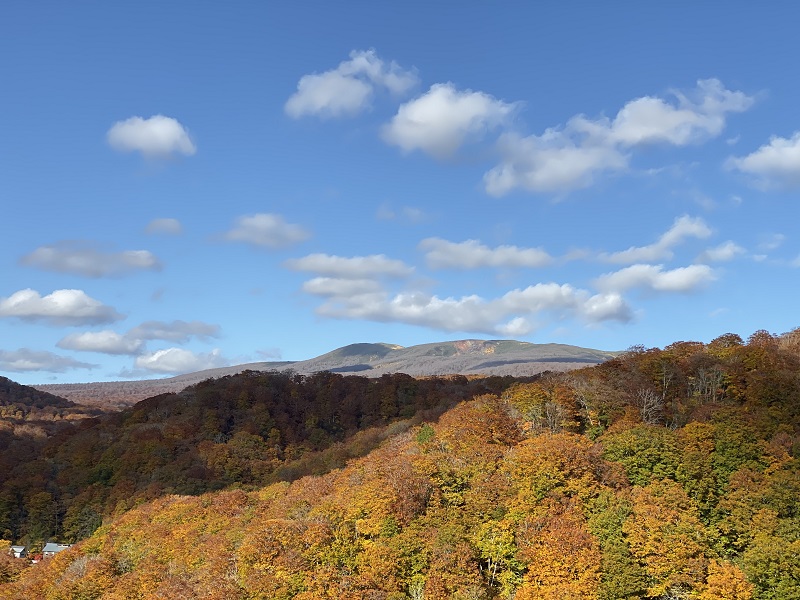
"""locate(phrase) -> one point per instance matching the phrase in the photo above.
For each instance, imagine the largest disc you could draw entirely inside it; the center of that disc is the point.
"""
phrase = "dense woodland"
(664, 473)
(61, 478)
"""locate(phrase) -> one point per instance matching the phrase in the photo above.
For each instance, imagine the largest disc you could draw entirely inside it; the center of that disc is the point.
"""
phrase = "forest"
(64, 467)
(663, 473)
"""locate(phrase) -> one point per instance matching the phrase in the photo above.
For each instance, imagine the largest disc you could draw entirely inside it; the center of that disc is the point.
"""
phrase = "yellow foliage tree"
(726, 582)
(563, 558)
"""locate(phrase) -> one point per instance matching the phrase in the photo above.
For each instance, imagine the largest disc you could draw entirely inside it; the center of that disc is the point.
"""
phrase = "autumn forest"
(662, 473)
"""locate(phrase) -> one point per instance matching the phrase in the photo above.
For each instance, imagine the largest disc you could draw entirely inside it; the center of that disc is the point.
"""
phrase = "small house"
(19, 551)
(51, 549)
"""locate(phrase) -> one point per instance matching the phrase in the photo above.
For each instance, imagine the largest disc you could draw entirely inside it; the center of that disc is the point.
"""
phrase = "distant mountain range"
(464, 357)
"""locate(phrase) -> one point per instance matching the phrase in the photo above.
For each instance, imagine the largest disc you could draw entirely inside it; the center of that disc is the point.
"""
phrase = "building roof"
(53, 547)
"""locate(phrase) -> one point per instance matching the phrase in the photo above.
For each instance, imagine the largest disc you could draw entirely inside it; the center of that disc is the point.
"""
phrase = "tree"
(726, 581)
(667, 538)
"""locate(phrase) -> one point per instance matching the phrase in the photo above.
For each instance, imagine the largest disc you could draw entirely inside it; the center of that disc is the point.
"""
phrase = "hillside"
(465, 357)
(248, 429)
(660, 474)
(12, 393)
(26, 412)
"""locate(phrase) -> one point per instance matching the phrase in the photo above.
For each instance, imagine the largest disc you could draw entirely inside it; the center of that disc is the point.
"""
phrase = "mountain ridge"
(460, 357)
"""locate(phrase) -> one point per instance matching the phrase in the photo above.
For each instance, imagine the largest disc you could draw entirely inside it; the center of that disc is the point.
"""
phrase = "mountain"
(660, 474)
(464, 357)
(12, 392)
(22, 406)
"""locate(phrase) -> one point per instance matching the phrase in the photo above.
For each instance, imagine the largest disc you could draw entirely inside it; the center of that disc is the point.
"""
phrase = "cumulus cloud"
(266, 230)
(105, 342)
(133, 342)
(175, 331)
(62, 307)
(471, 254)
(568, 158)
(510, 314)
(722, 253)
(683, 228)
(156, 137)
(356, 267)
(552, 162)
(441, 120)
(333, 286)
(164, 226)
(349, 88)
(179, 360)
(692, 118)
(775, 164)
(25, 360)
(654, 278)
(80, 258)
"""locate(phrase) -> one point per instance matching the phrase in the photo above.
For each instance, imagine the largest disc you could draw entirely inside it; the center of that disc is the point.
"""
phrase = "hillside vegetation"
(247, 430)
(660, 474)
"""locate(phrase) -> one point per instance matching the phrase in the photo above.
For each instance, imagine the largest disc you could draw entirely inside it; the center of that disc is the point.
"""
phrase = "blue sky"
(195, 184)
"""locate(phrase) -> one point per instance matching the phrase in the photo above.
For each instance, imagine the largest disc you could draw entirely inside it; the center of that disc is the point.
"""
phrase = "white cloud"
(329, 94)
(156, 137)
(348, 89)
(267, 230)
(518, 326)
(332, 286)
(25, 360)
(471, 254)
(771, 241)
(133, 342)
(410, 213)
(506, 315)
(441, 120)
(164, 226)
(80, 258)
(650, 120)
(775, 164)
(552, 162)
(175, 331)
(655, 279)
(179, 360)
(568, 158)
(356, 267)
(684, 227)
(606, 307)
(106, 342)
(62, 307)
(722, 253)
